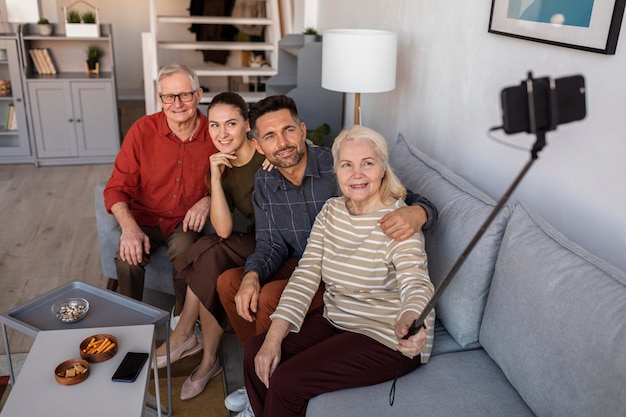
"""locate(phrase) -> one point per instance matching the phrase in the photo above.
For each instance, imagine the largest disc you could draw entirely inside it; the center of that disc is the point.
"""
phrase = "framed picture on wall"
(590, 25)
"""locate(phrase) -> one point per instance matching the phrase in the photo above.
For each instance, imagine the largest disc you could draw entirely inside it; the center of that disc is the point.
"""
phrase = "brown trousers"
(228, 284)
(131, 277)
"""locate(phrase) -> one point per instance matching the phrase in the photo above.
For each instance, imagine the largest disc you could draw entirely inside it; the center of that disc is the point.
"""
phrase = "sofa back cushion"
(462, 210)
(555, 322)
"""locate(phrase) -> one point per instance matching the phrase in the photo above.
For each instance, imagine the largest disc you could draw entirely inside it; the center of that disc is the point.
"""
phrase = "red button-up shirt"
(159, 176)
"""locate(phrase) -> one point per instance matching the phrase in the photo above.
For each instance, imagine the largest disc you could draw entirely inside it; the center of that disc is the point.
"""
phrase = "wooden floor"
(48, 233)
(48, 228)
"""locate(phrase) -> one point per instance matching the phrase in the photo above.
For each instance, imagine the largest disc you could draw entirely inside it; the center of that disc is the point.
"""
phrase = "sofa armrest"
(108, 233)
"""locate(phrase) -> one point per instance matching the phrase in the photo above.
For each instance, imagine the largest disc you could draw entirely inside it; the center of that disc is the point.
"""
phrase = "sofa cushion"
(455, 384)
(555, 322)
(462, 210)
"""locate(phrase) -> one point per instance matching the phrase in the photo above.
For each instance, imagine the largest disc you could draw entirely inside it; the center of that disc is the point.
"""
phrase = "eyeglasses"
(171, 98)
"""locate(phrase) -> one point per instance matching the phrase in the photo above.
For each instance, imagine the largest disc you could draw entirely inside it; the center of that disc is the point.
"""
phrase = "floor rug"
(210, 403)
(4, 389)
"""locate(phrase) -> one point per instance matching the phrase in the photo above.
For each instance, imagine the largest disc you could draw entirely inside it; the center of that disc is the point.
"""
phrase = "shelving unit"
(300, 77)
(14, 140)
(171, 42)
(73, 113)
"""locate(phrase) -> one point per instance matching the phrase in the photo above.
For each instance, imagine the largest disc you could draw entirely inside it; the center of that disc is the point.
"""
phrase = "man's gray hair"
(173, 68)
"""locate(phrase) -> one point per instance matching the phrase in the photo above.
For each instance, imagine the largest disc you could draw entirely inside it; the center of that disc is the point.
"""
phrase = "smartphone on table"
(130, 367)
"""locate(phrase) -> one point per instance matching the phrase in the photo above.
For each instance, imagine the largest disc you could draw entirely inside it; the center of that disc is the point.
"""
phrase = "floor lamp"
(359, 61)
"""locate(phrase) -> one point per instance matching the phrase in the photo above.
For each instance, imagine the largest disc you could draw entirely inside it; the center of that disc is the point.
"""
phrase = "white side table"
(37, 393)
(106, 308)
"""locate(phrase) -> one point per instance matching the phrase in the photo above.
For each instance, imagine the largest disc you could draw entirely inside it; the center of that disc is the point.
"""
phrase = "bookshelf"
(14, 139)
(72, 113)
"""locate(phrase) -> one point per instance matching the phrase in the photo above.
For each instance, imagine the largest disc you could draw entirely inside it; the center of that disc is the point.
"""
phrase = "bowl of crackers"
(72, 372)
(70, 310)
(98, 348)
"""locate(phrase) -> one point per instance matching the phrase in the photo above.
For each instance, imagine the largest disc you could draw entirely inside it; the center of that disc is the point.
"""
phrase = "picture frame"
(589, 25)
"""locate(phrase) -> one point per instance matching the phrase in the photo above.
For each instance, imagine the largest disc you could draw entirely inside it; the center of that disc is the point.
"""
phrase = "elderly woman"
(375, 288)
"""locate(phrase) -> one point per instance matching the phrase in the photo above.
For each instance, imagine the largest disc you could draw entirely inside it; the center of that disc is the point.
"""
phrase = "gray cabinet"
(14, 139)
(72, 113)
(72, 121)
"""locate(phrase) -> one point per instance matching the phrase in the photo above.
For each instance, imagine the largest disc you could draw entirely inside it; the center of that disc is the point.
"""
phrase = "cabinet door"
(96, 118)
(53, 120)
(14, 145)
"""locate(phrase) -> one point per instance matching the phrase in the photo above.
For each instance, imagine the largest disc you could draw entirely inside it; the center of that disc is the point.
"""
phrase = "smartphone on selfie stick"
(535, 106)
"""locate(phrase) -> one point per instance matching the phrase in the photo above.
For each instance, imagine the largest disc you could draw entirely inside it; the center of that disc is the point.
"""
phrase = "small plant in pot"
(89, 17)
(94, 53)
(44, 27)
(73, 16)
(310, 35)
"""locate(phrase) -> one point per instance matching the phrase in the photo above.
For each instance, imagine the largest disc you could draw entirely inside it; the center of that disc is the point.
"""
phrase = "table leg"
(169, 377)
(156, 381)
(7, 351)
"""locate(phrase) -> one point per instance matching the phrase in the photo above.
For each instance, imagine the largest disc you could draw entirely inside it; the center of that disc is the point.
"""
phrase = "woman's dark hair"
(231, 99)
(268, 105)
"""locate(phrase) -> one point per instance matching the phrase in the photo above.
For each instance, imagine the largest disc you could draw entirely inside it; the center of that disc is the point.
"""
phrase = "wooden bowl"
(72, 372)
(98, 348)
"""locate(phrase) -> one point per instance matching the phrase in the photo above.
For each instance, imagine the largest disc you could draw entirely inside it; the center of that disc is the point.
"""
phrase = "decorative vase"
(44, 30)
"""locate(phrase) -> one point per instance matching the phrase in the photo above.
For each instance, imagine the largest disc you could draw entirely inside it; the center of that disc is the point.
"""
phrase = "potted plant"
(81, 25)
(72, 16)
(44, 27)
(310, 35)
(94, 53)
(89, 17)
(319, 135)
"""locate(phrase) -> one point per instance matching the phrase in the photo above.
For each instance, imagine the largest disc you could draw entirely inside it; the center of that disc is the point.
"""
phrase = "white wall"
(128, 19)
(450, 73)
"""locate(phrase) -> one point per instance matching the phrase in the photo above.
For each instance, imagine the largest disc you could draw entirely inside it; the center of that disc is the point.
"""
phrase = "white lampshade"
(359, 60)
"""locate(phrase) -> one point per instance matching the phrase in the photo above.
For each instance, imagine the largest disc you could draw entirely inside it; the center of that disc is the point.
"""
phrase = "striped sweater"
(370, 279)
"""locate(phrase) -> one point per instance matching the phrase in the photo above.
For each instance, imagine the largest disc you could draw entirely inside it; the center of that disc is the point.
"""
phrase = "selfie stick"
(537, 147)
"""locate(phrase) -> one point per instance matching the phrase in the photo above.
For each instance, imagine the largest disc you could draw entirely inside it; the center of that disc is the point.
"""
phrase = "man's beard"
(288, 162)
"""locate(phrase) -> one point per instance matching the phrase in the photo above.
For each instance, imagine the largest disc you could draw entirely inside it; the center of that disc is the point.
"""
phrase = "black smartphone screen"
(130, 367)
(569, 105)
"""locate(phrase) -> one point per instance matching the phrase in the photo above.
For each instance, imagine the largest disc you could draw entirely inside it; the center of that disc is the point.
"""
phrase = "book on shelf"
(49, 62)
(37, 61)
(42, 61)
(10, 121)
(13, 119)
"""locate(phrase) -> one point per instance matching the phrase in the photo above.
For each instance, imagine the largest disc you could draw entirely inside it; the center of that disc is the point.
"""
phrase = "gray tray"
(106, 308)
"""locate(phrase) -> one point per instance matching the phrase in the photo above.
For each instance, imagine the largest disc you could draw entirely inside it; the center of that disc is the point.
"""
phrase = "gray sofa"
(159, 272)
(532, 324)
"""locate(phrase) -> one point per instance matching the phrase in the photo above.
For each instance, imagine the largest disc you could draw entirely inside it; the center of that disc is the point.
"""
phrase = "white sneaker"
(238, 401)
(173, 319)
(247, 412)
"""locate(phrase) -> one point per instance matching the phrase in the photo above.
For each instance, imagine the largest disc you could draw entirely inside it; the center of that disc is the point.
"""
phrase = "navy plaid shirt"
(284, 213)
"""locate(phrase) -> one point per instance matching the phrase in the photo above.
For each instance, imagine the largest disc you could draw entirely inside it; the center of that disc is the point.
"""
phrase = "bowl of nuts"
(70, 310)
(72, 372)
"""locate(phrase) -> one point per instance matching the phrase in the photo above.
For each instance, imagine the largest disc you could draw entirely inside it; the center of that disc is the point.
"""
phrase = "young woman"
(230, 181)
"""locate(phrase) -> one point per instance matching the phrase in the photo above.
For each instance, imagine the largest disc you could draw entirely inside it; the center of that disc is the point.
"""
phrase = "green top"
(238, 184)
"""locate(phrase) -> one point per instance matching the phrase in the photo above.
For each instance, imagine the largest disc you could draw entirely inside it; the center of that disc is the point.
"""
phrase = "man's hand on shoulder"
(403, 222)
(196, 217)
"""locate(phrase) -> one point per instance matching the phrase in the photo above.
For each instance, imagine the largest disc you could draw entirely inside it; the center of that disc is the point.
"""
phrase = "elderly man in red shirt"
(157, 190)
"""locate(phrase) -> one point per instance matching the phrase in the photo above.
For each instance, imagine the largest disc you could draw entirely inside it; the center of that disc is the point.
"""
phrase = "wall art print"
(590, 25)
